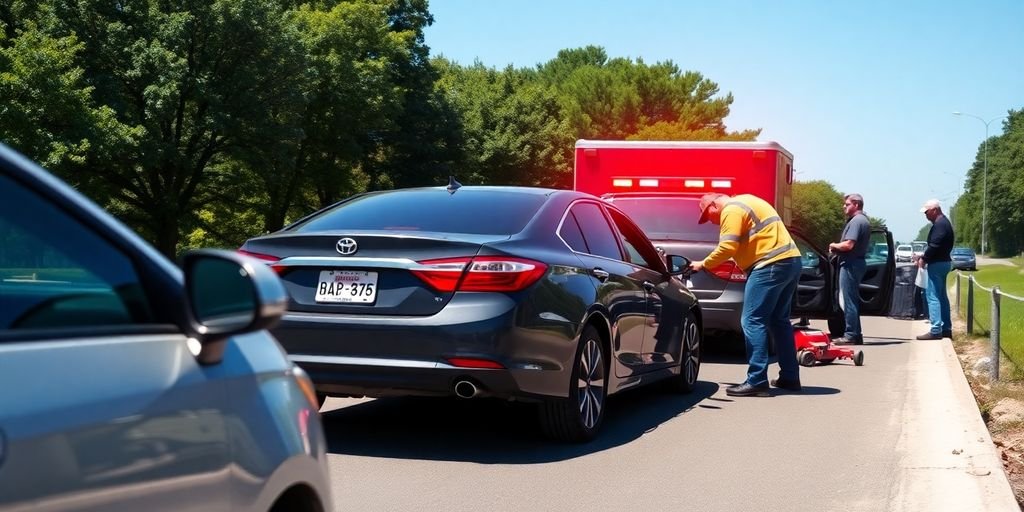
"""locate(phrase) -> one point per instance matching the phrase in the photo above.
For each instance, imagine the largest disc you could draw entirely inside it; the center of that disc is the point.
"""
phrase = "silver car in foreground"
(128, 384)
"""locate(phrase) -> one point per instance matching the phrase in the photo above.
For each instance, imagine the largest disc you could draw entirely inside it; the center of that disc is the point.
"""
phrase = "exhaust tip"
(466, 389)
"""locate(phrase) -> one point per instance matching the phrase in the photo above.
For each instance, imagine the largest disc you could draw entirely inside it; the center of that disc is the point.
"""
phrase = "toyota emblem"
(346, 246)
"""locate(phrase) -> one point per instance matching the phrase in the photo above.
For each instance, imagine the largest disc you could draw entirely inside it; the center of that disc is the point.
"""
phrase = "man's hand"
(696, 266)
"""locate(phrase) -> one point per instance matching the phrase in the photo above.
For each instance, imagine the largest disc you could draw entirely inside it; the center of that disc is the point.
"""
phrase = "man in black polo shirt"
(936, 257)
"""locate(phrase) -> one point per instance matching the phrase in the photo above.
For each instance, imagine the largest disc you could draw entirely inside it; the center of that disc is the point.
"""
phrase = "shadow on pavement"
(491, 431)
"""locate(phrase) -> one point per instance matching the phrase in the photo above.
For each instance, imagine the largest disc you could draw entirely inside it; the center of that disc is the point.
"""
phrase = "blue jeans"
(851, 272)
(767, 302)
(938, 300)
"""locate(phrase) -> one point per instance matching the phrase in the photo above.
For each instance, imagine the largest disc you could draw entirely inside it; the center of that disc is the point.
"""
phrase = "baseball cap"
(705, 201)
(929, 204)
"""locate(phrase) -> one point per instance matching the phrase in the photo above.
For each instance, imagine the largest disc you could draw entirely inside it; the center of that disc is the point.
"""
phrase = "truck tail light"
(730, 272)
(480, 274)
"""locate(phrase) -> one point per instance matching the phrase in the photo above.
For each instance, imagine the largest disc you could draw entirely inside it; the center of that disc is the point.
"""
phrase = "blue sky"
(860, 92)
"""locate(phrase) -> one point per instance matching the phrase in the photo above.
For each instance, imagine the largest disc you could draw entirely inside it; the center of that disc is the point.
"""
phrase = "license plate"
(347, 286)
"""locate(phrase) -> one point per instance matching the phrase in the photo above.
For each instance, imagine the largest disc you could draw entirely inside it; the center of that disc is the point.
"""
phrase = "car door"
(666, 304)
(104, 406)
(818, 289)
(619, 289)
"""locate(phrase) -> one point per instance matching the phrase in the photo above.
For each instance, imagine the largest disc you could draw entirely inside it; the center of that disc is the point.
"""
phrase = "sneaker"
(790, 384)
(930, 336)
(848, 341)
(947, 334)
(747, 390)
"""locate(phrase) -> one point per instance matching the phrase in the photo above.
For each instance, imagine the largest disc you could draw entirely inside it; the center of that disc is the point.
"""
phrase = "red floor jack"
(814, 346)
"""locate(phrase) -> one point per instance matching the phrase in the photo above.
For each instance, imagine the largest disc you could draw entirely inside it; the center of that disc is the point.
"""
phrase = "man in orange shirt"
(753, 235)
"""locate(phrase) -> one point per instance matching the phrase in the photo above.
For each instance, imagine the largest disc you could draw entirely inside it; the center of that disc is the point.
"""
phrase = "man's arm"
(728, 237)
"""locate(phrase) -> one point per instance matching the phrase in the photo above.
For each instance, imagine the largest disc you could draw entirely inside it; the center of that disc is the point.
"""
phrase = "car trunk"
(388, 273)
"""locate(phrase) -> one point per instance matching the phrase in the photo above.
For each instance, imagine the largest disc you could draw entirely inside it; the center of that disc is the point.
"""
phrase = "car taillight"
(480, 274)
(474, 362)
(265, 258)
(730, 272)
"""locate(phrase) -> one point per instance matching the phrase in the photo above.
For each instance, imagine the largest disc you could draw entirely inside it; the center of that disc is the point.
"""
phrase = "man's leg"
(756, 309)
(934, 306)
(850, 276)
(781, 325)
(937, 273)
(761, 296)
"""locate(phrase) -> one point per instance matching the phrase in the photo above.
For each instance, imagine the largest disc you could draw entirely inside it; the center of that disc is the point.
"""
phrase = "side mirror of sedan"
(228, 294)
(677, 265)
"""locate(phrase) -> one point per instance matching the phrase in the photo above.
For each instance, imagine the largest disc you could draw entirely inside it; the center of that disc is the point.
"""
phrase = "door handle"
(649, 286)
(600, 274)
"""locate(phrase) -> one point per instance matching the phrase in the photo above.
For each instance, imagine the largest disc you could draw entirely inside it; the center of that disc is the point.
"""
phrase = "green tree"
(1005, 219)
(188, 84)
(817, 212)
(922, 234)
(510, 123)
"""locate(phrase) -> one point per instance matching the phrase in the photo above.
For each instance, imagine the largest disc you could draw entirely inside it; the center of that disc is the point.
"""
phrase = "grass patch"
(1011, 323)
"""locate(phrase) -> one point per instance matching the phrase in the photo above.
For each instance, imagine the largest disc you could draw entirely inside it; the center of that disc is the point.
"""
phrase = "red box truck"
(764, 169)
(659, 183)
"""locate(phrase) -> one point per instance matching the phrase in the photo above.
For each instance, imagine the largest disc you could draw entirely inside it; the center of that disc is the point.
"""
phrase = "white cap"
(929, 204)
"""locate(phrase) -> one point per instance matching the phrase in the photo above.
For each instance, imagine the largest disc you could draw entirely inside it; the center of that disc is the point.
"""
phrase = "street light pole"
(984, 194)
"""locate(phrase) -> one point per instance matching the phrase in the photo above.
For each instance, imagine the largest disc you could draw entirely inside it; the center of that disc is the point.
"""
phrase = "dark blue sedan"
(964, 258)
(541, 295)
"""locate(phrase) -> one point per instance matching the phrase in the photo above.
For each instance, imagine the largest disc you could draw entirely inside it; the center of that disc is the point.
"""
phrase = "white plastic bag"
(921, 281)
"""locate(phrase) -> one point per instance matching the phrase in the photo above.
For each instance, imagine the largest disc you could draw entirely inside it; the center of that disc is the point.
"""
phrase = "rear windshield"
(668, 218)
(467, 211)
(962, 250)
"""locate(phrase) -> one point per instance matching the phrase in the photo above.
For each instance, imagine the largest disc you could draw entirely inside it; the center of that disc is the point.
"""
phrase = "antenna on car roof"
(453, 184)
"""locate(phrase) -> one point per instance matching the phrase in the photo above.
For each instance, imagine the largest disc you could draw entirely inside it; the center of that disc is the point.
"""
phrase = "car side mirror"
(677, 265)
(228, 294)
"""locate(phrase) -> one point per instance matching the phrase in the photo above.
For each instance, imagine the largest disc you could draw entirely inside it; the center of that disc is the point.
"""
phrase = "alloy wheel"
(590, 384)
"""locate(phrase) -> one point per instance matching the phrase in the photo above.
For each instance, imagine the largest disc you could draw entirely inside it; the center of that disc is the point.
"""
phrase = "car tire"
(579, 417)
(689, 357)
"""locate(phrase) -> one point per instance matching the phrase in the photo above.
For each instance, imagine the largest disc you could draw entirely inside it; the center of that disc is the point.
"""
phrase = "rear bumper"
(724, 313)
(399, 356)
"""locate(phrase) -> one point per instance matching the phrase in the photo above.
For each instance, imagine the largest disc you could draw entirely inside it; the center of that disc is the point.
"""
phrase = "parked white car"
(904, 253)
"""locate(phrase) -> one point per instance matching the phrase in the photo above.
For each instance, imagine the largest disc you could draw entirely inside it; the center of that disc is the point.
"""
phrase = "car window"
(57, 273)
(572, 235)
(668, 218)
(597, 232)
(638, 248)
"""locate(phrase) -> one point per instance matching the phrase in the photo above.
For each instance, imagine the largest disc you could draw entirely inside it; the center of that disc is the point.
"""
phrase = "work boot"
(848, 341)
(747, 390)
(790, 384)
(930, 336)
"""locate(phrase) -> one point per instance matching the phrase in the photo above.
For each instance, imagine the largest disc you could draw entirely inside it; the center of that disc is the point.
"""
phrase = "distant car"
(670, 220)
(549, 296)
(132, 385)
(904, 253)
(919, 247)
(964, 258)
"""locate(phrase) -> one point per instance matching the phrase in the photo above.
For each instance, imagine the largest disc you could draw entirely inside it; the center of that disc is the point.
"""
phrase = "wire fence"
(991, 312)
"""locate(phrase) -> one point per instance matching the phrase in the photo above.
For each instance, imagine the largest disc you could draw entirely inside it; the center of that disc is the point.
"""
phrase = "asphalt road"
(901, 432)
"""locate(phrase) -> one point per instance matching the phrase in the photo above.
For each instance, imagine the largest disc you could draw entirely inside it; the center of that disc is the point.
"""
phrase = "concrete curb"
(948, 459)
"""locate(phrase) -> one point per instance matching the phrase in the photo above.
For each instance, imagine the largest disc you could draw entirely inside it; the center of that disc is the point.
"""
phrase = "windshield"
(904, 248)
(468, 211)
(668, 218)
(963, 250)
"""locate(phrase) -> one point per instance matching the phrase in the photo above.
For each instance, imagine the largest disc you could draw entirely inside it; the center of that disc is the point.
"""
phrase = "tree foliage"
(1004, 224)
(206, 122)
(818, 212)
